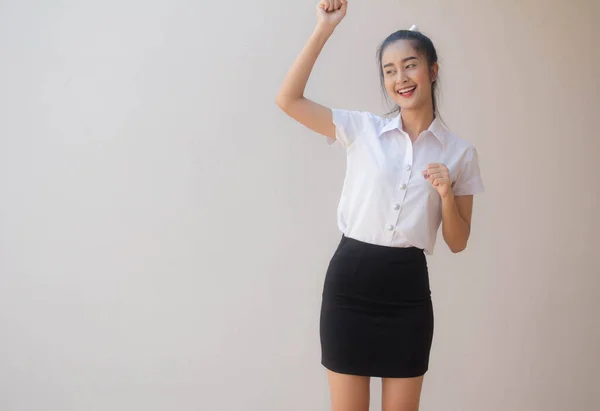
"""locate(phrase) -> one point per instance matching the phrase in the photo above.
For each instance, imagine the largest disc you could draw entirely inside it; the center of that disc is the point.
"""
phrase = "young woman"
(405, 176)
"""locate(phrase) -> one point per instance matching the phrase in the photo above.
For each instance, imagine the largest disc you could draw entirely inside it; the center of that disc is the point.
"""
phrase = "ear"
(434, 72)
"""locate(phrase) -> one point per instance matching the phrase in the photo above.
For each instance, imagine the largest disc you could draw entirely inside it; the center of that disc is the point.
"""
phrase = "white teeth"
(406, 90)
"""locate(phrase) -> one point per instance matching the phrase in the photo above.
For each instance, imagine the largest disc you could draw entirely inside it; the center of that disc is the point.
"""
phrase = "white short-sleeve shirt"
(385, 199)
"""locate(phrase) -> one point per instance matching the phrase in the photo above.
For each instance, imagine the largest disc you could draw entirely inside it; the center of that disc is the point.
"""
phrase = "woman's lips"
(407, 91)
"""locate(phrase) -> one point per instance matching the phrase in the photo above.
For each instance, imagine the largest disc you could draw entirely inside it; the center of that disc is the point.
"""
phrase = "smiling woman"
(411, 55)
(405, 176)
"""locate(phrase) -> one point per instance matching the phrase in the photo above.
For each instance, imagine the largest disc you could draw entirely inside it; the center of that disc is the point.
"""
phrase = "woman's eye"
(411, 66)
(389, 72)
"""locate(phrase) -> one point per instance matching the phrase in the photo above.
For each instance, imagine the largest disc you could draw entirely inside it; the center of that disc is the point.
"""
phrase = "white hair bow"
(414, 28)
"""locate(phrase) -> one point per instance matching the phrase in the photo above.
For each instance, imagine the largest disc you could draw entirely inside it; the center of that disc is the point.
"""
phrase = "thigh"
(401, 394)
(349, 392)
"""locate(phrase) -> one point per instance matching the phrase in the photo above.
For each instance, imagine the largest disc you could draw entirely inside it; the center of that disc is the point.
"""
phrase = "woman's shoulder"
(456, 142)
(363, 115)
(362, 120)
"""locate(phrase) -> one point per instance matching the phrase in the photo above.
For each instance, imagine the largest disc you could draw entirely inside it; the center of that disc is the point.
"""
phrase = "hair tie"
(414, 28)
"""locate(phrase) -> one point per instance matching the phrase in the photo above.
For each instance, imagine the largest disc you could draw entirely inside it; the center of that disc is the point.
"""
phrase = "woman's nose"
(401, 77)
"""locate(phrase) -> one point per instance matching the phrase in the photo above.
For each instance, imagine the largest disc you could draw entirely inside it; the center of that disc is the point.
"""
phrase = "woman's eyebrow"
(404, 60)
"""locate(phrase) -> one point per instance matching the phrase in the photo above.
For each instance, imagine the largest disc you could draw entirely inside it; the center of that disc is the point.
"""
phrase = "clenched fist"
(331, 12)
(439, 176)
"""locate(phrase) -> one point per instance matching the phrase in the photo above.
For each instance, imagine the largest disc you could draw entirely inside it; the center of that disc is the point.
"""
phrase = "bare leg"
(349, 392)
(401, 394)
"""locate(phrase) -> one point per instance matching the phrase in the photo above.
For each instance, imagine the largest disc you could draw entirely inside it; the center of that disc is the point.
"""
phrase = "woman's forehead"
(398, 50)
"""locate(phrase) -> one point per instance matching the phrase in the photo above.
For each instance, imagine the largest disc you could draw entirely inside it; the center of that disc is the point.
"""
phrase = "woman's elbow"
(457, 248)
(280, 101)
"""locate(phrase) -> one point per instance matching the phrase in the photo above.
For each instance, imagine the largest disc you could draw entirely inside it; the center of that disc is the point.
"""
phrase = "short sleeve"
(469, 181)
(348, 126)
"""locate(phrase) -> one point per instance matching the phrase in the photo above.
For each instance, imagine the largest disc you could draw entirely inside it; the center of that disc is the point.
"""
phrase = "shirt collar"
(437, 128)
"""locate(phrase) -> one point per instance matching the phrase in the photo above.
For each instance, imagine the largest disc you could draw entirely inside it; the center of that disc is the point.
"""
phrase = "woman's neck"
(414, 122)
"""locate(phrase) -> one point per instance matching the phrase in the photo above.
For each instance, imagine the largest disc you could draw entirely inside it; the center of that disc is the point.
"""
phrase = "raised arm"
(290, 97)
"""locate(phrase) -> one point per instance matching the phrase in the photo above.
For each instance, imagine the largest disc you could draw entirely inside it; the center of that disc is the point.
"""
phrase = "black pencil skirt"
(376, 314)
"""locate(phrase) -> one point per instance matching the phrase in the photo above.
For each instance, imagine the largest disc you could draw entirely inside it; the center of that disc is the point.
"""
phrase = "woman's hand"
(331, 12)
(439, 176)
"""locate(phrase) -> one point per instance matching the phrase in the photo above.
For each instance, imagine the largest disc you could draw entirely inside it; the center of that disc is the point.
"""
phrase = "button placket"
(405, 175)
(403, 185)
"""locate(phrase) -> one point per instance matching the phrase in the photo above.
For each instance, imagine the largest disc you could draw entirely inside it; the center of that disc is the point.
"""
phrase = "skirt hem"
(358, 373)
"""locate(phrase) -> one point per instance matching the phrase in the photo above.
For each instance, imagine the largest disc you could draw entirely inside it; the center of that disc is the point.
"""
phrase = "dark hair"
(424, 46)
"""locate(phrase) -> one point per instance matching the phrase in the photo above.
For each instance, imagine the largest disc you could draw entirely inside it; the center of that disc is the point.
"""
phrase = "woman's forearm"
(297, 77)
(455, 229)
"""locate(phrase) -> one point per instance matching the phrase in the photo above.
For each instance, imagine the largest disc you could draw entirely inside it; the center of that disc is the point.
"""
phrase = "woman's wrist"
(449, 197)
(324, 29)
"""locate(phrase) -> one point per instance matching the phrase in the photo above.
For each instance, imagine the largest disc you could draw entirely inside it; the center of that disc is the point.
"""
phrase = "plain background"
(165, 229)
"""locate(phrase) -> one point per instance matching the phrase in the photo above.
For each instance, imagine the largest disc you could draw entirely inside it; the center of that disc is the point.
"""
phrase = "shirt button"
(407, 167)
(390, 227)
(403, 186)
(396, 206)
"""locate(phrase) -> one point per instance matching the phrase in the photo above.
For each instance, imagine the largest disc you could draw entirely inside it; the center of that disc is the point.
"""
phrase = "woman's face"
(408, 79)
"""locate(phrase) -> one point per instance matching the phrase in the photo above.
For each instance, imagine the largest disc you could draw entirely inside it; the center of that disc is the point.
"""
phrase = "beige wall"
(165, 230)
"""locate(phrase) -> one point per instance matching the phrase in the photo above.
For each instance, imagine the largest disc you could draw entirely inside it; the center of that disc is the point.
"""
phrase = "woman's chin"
(410, 104)
(404, 105)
